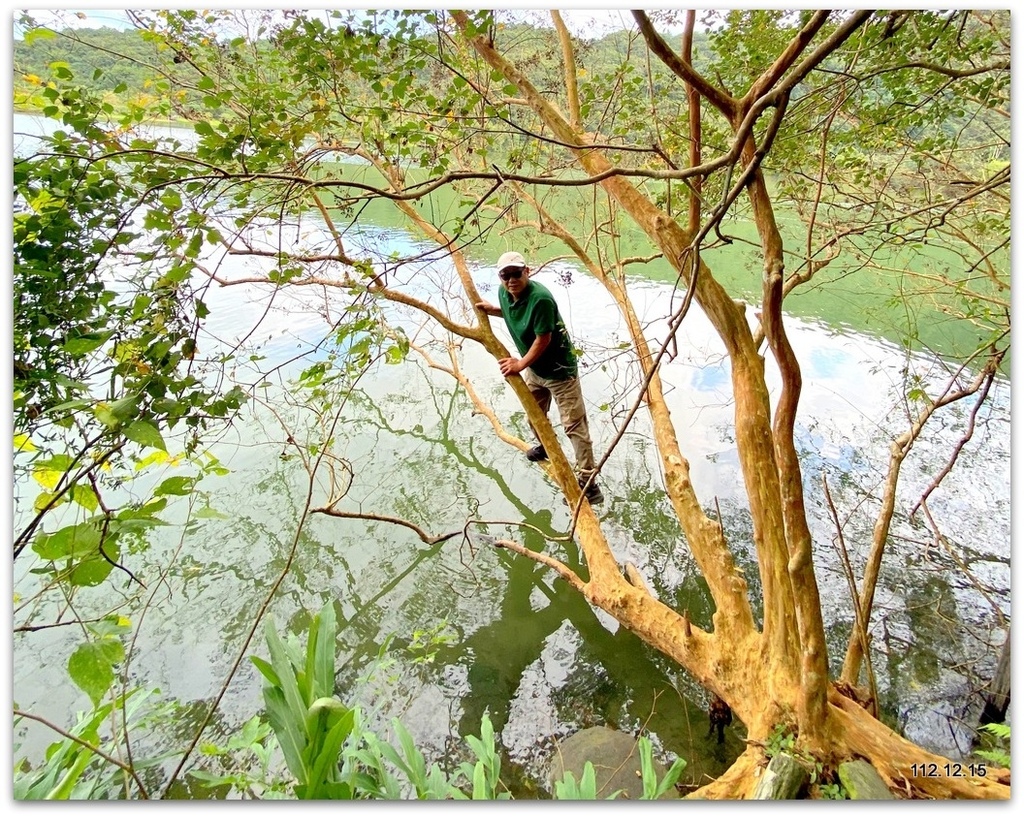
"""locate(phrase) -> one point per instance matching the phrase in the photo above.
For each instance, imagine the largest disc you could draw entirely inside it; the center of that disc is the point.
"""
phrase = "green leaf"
(111, 625)
(210, 513)
(35, 34)
(85, 496)
(336, 791)
(71, 542)
(647, 772)
(171, 199)
(415, 764)
(91, 667)
(479, 782)
(266, 669)
(94, 569)
(326, 760)
(588, 782)
(125, 407)
(44, 499)
(23, 443)
(82, 345)
(175, 486)
(106, 416)
(295, 706)
(49, 478)
(288, 730)
(63, 790)
(145, 433)
(326, 648)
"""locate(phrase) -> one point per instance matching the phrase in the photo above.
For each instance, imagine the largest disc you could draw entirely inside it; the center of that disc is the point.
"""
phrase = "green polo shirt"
(536, 313)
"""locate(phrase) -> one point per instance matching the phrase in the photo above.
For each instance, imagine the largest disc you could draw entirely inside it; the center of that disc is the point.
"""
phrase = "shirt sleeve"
(544, 317)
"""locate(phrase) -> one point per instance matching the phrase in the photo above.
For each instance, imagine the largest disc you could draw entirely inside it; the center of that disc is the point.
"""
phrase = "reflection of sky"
(844, 424)
(711, 378)
(846, 376)
(851, 382)
(826, 362)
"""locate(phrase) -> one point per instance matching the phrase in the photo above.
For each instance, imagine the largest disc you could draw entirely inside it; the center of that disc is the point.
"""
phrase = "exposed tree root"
(737, 782)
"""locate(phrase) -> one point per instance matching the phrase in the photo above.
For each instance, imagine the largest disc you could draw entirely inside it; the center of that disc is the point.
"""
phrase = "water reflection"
(524, 648)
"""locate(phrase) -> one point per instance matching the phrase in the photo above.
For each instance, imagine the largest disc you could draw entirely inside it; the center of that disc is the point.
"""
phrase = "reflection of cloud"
(711, 378)
(827, 362)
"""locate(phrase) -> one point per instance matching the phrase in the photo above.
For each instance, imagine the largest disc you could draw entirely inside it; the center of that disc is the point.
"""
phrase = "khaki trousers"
(571, 411)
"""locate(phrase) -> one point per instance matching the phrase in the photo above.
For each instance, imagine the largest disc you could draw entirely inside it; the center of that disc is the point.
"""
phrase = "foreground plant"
(333, 757)
(84, 763)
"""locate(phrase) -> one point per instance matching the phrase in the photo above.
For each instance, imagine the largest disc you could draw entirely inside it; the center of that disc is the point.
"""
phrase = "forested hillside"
(131, 63)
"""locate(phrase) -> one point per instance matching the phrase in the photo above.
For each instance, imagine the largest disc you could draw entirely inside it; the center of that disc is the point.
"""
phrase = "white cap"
(511, 259)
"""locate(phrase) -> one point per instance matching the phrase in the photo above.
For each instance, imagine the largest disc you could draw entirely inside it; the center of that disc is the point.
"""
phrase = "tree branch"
(548, 561)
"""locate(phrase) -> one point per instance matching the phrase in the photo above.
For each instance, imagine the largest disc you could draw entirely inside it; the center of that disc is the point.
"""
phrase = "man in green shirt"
(548, 362)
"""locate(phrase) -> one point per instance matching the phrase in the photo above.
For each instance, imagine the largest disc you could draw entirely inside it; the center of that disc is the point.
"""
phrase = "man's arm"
(511, 365)
(488, 308)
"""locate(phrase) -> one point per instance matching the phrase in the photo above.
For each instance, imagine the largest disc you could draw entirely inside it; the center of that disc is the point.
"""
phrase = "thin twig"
(989, 378)
(854, 595)
(425, 537)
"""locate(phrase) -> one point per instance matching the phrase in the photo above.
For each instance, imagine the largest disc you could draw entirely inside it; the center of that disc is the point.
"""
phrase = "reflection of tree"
(498, 654)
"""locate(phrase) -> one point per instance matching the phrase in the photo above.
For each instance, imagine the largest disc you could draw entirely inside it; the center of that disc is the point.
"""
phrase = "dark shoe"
(536, 454)
(593, 493)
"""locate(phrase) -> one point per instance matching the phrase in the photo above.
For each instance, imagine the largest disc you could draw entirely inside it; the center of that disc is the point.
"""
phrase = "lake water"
(513, 641)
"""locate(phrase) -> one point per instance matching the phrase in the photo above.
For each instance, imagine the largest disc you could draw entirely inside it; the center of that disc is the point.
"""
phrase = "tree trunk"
(997, 699)
(777, 675)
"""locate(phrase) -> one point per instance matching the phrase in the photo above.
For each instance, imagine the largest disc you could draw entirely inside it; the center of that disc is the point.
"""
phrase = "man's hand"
(510, 366)
(488, 308)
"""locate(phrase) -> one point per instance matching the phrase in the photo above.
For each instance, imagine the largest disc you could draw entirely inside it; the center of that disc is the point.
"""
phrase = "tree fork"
(780, 673)
(754, 441)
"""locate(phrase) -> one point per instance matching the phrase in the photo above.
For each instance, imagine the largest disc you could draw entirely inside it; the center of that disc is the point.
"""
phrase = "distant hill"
(107, 60)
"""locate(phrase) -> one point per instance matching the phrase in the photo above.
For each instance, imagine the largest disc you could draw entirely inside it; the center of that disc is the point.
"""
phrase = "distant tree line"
(123, 65)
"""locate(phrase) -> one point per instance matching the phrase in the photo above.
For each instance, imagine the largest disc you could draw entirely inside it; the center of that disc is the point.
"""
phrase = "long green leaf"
(266, 669)
(289, 731)
(307, 682)
(588, 782)
(671, 776)
(325, 767)
(323, 671)
(416, 765)
(653, 788)
(389, 753)
(480, 782)
(281, 659)
(63, 789)
(648, 774)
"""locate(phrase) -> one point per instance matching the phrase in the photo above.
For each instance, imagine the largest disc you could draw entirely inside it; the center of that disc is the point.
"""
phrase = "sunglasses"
(511, 273)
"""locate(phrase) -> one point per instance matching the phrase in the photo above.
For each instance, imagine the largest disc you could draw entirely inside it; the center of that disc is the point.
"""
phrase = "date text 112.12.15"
(948, 769)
